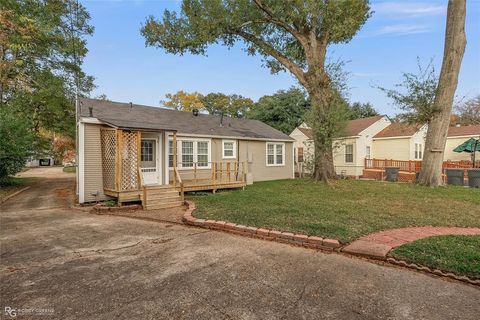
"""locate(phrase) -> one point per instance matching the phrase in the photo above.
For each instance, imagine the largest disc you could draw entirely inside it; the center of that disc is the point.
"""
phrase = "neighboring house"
(458, 135)
(128, 152)
(400, 141)
(349, 151)
(407, 142)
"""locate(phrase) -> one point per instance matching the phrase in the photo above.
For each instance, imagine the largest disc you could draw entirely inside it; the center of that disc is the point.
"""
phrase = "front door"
(149, 161)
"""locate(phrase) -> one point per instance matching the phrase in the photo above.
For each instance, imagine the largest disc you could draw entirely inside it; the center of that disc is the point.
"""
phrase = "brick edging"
(300, 240)
(437, 272)
(14, 194)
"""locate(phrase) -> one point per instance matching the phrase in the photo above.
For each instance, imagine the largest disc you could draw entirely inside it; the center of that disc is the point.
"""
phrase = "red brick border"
(300, 240)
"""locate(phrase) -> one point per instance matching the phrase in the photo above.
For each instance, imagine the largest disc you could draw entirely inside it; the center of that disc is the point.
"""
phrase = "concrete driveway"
(70, 264)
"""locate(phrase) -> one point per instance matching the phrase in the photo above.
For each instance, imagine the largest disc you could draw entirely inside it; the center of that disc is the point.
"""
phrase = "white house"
(349, 151)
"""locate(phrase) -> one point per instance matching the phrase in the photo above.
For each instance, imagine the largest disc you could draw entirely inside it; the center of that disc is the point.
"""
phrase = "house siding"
(257, 167)
(395, 148)
(452, 143)
(93, 164)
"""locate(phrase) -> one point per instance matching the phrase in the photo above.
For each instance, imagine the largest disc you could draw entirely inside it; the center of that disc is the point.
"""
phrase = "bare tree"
(455, 41)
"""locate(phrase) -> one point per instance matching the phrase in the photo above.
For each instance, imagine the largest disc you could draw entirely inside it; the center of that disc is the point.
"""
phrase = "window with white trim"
(202, 153)
(418, 151)
(367, 152)
(275, 154)
(349, 153)
(170, 153)
(229, 149)
(190, 152)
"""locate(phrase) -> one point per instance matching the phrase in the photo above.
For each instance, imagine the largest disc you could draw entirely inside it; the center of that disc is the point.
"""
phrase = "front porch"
(142, 166)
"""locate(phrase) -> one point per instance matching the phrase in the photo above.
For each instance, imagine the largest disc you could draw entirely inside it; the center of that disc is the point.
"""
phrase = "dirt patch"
(62, 192)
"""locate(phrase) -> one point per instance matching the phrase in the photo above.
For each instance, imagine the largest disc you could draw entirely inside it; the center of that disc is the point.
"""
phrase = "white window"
(275, 154)
(418, 151)
(190, 152)
(202, 153)
(349, 153)
(367, 152)
(229, 149)
(187, 154)
(170, 153)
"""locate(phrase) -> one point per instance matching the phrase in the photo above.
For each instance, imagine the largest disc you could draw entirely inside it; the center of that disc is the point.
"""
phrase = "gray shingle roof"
(124, 115)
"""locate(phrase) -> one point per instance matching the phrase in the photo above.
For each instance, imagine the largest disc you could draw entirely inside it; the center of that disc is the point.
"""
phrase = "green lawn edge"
(459, 254)
(344, 210)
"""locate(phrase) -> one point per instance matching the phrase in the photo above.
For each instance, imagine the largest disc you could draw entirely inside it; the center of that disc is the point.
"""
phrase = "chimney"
(90, 110)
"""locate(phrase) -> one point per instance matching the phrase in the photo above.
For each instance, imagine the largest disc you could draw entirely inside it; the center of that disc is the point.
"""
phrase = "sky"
(388, 44)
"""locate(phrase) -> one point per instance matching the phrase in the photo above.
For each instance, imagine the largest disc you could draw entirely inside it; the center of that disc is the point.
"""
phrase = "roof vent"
(90, 110)
(195, 112)
(131, 105)
(458, 125)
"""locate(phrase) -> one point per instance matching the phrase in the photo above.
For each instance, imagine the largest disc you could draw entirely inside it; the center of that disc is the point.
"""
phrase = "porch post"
(166, 167)
(139, 155)
(174, 158)
(118, 160)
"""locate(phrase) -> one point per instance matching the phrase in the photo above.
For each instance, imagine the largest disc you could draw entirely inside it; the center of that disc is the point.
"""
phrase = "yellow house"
(349, 151)
(400, 141)
(406, 142)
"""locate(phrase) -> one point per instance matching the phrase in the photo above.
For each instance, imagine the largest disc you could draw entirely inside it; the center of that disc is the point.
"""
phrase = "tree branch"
(271, 16)
(287, 63)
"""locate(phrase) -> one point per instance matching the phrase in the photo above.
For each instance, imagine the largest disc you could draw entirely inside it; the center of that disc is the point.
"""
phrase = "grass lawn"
(458, 254)
(14, 185)
(69, 169)
(345, 210)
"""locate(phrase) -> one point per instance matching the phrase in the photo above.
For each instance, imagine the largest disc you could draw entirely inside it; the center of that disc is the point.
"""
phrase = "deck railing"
(217, 171)
(178, 180)
(414, 165)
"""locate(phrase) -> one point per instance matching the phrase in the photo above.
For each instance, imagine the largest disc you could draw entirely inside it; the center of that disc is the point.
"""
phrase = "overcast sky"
(388, 44)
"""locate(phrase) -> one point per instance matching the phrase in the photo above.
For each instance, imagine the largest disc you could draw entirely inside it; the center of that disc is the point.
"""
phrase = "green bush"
(15, 144)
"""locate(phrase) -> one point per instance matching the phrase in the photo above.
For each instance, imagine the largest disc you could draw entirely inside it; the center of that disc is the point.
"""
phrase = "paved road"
(84, 266)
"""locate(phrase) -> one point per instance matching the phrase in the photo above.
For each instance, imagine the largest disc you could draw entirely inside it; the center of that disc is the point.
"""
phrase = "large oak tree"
(290, 35)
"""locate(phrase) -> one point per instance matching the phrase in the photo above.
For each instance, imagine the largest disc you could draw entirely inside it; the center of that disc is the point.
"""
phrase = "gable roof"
(353, 127)
(397, 129)
(307, 132)
(471, 130)
(126, 116)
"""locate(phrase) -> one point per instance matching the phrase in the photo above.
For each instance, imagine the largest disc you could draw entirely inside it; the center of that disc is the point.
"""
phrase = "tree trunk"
(455, 41)
(323, 133)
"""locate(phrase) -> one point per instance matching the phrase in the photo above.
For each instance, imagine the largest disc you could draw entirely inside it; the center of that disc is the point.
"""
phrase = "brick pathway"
(378, 244)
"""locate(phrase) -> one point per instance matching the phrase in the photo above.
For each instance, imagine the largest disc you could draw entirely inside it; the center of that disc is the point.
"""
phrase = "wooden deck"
(152, 192)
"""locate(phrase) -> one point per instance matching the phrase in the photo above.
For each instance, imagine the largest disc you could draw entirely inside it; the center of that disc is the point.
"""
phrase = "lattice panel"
(129, 179)
(109, 145)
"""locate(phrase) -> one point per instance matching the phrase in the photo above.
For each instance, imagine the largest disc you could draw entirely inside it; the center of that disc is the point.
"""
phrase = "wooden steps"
(161, 197)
